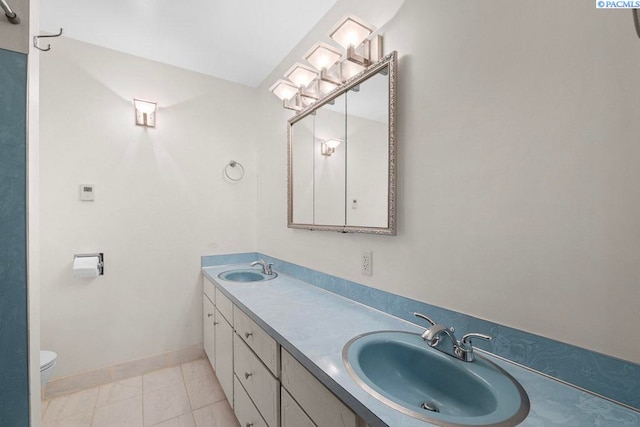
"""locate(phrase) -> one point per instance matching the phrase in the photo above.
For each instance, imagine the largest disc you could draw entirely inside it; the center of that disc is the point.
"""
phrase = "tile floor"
(188, 395)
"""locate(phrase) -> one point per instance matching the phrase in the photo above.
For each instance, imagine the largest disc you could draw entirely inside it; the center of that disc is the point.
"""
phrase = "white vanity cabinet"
(217, 311)
(265, 385)
(208, 328)
(321, 406)
(224, 355)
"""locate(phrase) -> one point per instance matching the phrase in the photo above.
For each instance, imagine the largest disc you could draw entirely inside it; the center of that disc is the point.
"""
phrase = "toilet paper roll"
(86, 266)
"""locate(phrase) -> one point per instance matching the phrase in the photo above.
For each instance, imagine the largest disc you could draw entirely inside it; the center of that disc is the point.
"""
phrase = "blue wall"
(14, 352)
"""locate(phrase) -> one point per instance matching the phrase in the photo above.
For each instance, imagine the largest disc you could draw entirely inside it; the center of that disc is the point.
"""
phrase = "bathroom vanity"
(277, 349)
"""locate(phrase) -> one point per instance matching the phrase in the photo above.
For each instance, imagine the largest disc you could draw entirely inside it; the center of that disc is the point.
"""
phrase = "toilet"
(47, 363)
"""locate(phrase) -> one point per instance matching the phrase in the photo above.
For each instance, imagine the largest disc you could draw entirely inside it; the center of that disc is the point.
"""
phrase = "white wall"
(518, 135)
(161, 200)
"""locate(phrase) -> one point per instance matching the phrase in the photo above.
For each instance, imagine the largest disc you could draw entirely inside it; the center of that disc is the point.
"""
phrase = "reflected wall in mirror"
(342, 156)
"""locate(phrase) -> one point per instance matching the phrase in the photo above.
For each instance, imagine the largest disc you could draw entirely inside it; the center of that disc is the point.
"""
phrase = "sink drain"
(429, 406)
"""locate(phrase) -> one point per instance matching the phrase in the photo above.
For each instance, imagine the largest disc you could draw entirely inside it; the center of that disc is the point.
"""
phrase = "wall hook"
(35, 41)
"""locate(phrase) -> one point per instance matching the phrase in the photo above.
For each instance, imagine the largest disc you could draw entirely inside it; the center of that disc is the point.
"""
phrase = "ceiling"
(237, 40)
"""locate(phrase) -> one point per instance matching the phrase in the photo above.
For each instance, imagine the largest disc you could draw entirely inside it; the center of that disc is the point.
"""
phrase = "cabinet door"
(325, 409)
(208, 316)
(224, 355)
(292, 415)
(244, 409)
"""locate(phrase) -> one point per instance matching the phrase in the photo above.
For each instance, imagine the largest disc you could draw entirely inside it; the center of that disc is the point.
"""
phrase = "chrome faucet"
(266, 268)
(462, 349)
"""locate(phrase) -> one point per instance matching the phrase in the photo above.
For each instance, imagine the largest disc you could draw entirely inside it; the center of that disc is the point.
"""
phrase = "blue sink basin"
(402, 371)
(246, 275)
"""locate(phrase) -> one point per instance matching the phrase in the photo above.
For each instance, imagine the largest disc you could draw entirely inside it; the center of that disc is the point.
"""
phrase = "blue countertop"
(313, 325)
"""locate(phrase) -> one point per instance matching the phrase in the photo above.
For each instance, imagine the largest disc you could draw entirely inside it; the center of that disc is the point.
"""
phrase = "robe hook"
(35, 41)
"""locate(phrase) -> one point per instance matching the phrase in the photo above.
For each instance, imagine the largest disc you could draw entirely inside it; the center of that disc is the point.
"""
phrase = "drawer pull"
(247, 375)
(248, 334)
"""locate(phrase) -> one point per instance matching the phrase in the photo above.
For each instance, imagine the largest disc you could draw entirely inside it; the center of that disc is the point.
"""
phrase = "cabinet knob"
(209, 314)
(247, 375)
(249, 425)
(215, 323)
(248, 334)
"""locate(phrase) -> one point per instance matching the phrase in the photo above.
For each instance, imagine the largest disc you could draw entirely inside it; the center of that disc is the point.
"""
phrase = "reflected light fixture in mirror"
(328, 147)
(145, 112)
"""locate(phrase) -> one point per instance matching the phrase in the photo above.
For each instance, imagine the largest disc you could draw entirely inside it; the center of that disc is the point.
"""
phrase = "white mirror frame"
(391, 61)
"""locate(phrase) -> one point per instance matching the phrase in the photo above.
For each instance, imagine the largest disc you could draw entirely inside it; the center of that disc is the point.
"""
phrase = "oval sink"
(402, 371)
(246, 275)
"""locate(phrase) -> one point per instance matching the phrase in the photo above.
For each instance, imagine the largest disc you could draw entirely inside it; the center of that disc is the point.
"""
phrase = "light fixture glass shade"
(145, 112)
(350, 69)
(333, 143)
(284, 90)
(301, 75)
(351, 31)
(322, 56)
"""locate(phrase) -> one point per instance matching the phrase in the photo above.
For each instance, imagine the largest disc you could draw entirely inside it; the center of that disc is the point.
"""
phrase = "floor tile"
(126, 413)
(161, 378)
(119, 391)
(81, 420)
(165, 403)
(217, 415)
(185, 420)
(73, 404)
(204, 391)
(195, 369)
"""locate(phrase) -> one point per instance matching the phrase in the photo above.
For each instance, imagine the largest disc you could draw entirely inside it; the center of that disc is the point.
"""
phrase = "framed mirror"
(342, 156)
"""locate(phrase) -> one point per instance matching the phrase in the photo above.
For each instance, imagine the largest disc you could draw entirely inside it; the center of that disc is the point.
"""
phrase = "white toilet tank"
(47, 363)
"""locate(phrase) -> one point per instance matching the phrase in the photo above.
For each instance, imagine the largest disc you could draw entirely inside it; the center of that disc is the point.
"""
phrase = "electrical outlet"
(366, 263)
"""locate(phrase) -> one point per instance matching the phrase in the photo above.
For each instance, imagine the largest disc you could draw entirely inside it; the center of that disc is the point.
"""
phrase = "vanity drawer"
(224, 306)
(325, 409)
(208, 288)
(246, 413)
(260, 385)
(292, 415)
(260, 342)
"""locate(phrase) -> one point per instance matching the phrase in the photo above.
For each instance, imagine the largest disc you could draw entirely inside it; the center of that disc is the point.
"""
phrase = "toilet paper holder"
(100, 256)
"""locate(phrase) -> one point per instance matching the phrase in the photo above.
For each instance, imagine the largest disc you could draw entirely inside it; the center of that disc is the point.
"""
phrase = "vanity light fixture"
(301, 75)
(145, 112)
(322, 56)
(288, 93)
(328, 147)
(350, 31)
(333, 66)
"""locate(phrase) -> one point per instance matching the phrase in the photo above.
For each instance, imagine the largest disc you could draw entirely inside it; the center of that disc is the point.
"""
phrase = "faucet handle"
(466, 339)
(422, 316)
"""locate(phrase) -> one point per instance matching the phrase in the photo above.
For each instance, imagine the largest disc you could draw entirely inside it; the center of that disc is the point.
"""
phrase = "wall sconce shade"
(145, 112)
(284, 90)
(301, 75)
(351, 31)
(328, 147)
(322, 56)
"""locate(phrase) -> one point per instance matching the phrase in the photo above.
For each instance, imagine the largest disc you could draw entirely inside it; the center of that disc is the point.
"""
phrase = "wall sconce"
(145, 113)
(328, 147)
(306, 86)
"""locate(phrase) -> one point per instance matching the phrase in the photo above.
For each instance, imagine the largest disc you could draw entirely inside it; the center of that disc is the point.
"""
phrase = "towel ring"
(233, 164)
